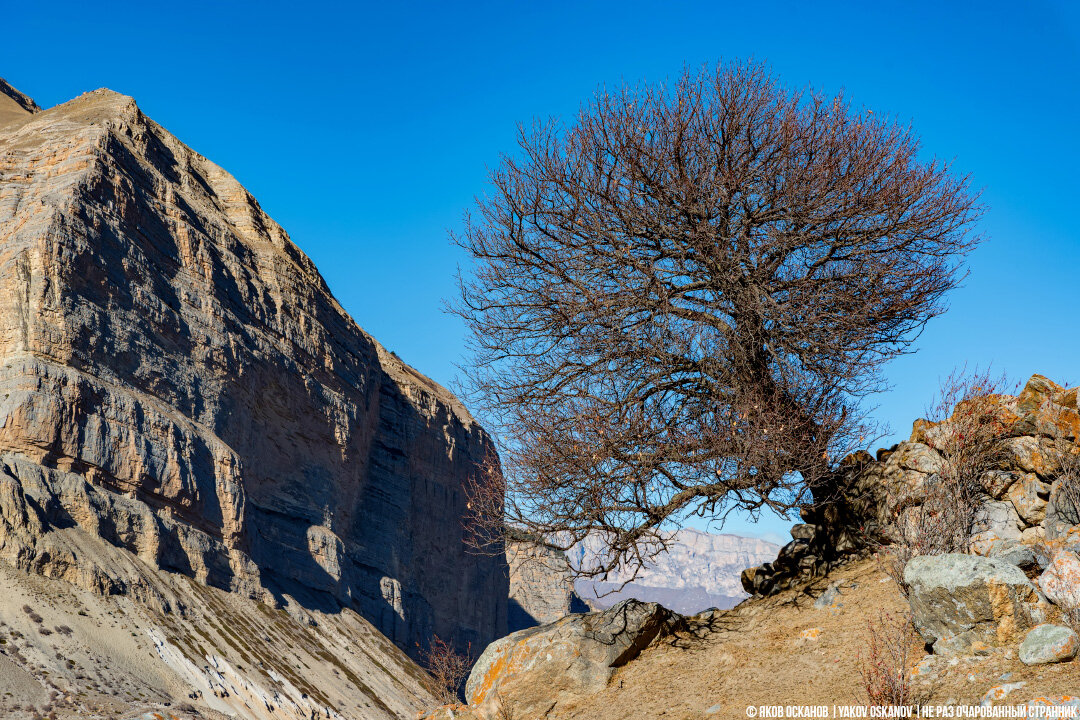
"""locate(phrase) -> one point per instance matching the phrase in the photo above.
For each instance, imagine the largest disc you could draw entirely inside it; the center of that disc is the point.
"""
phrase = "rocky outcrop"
(14, 106)
(548, 669)
(868, 500)
(541, 586)
(177, 380)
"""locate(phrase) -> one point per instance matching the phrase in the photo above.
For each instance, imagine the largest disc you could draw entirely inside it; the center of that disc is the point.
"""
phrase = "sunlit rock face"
(177, 380)
(698, 570)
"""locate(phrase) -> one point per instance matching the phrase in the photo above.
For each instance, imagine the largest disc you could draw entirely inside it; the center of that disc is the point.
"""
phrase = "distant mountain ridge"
(699, 570)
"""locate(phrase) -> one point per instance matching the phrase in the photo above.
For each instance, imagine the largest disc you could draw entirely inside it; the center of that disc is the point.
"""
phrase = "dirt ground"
(783, 651)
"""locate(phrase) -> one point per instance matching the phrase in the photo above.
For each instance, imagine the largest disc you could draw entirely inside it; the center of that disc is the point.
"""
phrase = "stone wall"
(869, 499)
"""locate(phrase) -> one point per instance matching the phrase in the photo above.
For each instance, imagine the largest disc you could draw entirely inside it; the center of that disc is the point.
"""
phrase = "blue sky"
(366, 129)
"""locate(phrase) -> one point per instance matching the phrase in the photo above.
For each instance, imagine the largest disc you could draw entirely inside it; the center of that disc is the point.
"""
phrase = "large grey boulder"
(957, 600)
(536, 670)
(1061, 580)
(1049, 644)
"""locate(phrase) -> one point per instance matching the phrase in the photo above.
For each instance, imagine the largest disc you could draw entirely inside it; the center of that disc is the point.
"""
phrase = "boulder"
(1019, 555)
(958, 599)
(1000, 692)
(1049, 644)
(1028, 454)
(830, 599)
(917, 457)
(997, 524)
(1033, 535)
(536, 670)
(996, 482)
(1037, 390)
(1060, 582)
(1029, 496)
(1061, 511)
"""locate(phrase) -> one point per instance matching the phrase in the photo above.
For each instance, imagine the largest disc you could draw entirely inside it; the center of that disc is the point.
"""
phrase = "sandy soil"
(758, 654)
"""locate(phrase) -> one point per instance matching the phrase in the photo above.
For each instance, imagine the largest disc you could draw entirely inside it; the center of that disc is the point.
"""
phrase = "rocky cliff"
(177, 380)
(699, 570)
(541, 586)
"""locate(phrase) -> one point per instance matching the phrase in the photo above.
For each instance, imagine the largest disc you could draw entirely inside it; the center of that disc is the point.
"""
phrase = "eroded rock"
(957, 600)
(1060, 582)
(539, 670)
(177, 379)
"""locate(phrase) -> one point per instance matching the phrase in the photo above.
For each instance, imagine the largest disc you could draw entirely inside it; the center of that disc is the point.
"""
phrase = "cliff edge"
(177, 380)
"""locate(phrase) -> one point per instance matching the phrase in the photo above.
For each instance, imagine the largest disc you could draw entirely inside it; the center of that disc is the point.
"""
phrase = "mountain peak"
(26, 103)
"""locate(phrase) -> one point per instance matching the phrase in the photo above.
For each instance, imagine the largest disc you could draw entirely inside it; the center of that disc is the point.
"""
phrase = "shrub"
(884, 665)
(965, 427)
(448, 668)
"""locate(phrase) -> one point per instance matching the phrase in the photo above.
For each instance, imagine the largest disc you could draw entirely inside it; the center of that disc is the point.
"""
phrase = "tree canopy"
(680, 298)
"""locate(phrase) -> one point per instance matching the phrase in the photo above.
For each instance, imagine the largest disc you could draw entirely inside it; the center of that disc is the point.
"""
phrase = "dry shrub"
(504, 711)
(884, 666)
(966, 427)
(448, 668)
(1069, 482)
(1064, 453)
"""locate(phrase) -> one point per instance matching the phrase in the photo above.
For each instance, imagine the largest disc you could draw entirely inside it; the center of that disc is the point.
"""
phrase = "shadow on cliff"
(396, 553)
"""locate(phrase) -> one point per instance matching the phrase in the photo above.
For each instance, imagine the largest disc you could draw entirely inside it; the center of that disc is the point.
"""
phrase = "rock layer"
(698, 570)
(541, 586)
(177, 379)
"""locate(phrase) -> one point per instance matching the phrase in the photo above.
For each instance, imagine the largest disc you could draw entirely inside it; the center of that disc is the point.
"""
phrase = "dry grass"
(754, 655)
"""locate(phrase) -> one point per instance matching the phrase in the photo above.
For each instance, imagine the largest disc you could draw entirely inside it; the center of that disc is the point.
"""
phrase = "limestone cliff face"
(541, 586)
(176, 379)
(699, 570)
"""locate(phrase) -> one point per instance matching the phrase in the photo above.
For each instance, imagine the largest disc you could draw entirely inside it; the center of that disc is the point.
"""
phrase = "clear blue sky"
(366, 128)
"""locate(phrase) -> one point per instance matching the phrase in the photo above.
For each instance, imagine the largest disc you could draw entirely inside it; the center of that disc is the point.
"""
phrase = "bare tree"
(680, 298)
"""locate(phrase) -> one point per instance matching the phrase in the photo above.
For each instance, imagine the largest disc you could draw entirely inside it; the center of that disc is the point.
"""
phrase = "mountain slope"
(182, 397)
(699, 570)
(213, 654)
